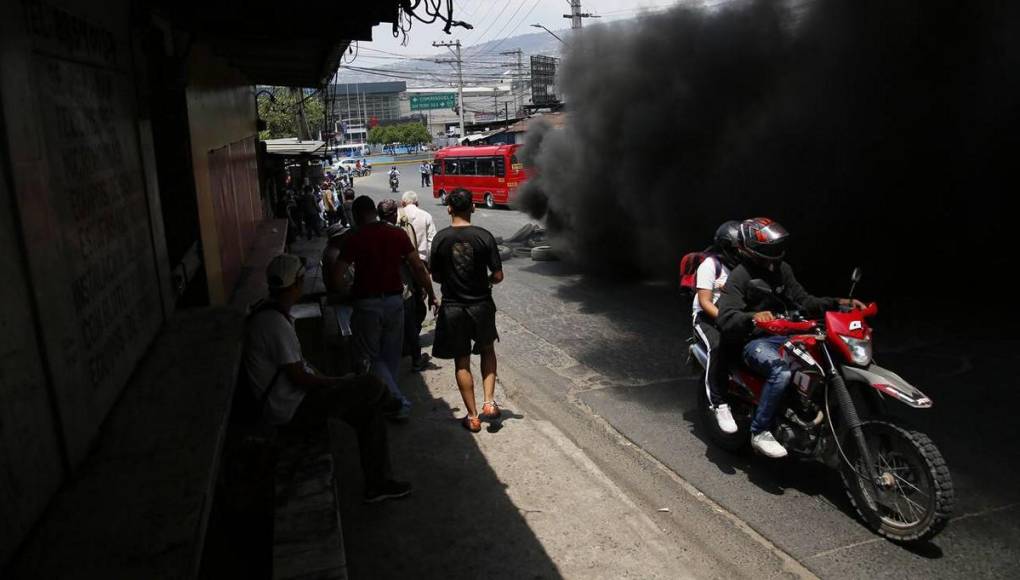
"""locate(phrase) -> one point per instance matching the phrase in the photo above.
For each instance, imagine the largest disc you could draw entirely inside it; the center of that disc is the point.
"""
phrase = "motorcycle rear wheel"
(918, 501)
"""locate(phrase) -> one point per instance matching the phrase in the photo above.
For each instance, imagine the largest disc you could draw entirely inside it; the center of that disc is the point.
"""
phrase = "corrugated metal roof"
(292, 146)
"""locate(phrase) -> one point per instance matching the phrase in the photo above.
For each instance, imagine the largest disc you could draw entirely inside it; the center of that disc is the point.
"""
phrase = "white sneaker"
(767, 445)
(725, 419)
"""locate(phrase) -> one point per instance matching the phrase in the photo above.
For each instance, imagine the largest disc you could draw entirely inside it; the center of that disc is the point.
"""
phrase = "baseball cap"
(284, 270)
(459, 200)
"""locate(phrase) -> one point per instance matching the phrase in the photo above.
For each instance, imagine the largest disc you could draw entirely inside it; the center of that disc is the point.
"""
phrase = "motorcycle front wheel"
(914, 498)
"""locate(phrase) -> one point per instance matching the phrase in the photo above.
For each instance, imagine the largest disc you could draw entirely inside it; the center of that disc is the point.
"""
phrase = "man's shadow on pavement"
(458, 521)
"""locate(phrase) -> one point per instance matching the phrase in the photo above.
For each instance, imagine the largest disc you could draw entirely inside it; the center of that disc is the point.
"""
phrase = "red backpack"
(689, 270)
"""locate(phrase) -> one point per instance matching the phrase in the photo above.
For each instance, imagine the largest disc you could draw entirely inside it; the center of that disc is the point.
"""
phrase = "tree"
(380, 135)
(406, 133)
(280, 112)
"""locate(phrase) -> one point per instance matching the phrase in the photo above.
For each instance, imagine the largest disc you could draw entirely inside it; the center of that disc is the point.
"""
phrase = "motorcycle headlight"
(860, 350)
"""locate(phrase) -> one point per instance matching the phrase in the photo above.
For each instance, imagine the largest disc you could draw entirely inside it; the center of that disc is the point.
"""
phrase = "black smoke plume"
(880, 133)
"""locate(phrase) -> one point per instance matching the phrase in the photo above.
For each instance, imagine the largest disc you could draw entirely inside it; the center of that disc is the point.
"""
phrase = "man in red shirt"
(377, 250)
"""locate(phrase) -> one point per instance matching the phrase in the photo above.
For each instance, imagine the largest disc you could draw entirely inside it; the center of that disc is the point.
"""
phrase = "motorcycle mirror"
(855, 277)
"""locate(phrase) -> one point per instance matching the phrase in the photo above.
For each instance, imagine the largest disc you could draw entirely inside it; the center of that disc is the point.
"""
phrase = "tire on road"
(505, 253)
(925, 462)
(543, 254)
(522, 252)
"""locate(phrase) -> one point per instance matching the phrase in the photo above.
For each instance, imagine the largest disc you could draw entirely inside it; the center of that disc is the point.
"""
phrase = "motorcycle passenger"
(743, 303)
(710, 279)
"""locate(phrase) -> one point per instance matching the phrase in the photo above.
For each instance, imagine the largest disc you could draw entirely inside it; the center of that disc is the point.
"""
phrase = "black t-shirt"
(462, 258)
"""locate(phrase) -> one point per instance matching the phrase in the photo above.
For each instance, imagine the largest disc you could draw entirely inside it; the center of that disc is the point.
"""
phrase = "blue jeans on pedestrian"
(762, 356)
(378, 326)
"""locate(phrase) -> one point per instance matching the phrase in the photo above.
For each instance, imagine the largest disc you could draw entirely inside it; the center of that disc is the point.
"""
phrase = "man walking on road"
(424, 229)
(377, 250)
(465, 261)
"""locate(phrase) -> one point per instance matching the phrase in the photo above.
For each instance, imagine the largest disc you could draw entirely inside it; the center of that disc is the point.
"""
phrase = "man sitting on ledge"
(301, 396)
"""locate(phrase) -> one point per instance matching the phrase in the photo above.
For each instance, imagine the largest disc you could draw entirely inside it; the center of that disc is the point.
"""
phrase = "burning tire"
(916, 497)
(543, 254)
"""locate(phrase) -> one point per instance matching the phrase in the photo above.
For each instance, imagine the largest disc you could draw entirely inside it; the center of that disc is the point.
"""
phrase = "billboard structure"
(543, 81)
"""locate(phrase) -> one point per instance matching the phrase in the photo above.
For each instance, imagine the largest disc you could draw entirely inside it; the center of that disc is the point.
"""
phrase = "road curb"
(513, 384)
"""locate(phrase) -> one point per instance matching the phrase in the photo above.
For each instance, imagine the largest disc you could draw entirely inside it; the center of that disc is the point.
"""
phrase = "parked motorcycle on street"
(895, 476)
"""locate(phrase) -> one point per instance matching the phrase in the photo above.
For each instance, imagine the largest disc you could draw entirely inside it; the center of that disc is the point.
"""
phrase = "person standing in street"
(377, 250)
(465, 262)
(424, 170)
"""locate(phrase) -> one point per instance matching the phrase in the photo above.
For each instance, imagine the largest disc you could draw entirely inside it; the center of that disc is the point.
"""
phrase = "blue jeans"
(378, 327)
(762, 355)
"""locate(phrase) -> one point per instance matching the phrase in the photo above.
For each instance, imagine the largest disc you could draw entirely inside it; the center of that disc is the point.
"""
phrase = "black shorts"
(460, 324)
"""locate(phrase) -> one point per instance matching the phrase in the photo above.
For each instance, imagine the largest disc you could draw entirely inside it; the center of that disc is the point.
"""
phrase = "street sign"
(433, 101)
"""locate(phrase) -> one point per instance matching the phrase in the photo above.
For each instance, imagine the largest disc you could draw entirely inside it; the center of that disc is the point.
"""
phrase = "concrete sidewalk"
(517, 500)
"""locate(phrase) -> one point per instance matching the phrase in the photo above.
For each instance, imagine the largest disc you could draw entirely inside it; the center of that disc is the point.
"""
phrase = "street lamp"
(549, 31)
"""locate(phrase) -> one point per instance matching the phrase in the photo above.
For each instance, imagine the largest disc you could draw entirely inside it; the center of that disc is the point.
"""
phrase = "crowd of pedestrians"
(378, 268)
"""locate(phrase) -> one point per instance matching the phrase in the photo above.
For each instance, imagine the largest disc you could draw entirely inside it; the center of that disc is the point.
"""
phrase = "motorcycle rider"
(710, 279)
(744, 303)
(394, 178)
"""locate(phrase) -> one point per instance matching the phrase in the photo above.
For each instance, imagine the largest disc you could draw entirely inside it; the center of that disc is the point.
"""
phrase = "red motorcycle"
(896, 478)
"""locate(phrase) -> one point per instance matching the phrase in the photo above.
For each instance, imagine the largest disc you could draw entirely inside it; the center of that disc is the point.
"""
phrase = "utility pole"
(302, 124)
(460, 78)
(576, 15)
(517, 91)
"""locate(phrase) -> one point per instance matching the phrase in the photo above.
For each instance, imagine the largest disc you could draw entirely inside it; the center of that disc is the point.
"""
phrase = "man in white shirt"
(291, 392)
(424, 232)
(710, 279)
(422, 222)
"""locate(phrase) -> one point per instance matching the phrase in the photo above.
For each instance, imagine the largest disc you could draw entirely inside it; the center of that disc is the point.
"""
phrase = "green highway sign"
(433, 101)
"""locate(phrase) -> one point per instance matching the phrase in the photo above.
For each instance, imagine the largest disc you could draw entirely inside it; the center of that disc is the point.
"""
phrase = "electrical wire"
(508, 22)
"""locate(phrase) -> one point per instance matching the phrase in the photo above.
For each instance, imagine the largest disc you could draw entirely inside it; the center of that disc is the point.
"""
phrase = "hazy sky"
(496, 19)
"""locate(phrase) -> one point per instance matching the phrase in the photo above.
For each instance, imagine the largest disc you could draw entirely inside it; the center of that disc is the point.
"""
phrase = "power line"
(513, 31)
(491, 24)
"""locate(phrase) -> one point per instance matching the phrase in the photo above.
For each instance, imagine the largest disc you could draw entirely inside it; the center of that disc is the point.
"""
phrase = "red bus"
(492, 173)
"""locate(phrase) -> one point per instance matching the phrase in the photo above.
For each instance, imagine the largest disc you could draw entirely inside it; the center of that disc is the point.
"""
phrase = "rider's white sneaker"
(767, 445)
(725, 419)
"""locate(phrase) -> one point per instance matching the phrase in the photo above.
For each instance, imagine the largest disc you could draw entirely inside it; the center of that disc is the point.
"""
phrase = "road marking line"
(985, 512)
(846, 547)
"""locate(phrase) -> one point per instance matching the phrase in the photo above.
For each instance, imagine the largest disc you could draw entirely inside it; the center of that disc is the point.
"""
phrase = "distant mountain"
(483, 64)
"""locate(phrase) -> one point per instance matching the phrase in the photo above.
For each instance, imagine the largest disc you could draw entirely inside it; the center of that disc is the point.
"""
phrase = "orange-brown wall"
(221, 111)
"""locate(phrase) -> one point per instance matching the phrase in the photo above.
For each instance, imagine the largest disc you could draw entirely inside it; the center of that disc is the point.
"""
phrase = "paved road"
(616, 351)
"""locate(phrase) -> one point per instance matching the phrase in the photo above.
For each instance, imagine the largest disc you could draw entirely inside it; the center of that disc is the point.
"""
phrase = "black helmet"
(727, 241)
(764, 239)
